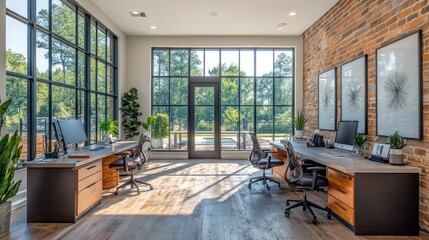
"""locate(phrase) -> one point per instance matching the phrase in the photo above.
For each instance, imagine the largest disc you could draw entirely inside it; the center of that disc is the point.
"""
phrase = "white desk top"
(344, 161)
(65, 162)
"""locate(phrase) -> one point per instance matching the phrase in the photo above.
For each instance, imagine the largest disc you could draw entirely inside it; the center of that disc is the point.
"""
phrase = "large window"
(257, 92)
(60, 64)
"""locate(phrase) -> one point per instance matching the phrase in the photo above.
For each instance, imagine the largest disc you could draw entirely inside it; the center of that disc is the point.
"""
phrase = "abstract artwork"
(399, 87)
(353, 92)
(327, 100)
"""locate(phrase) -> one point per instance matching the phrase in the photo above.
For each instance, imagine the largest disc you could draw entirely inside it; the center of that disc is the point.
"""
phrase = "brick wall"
(356, 27)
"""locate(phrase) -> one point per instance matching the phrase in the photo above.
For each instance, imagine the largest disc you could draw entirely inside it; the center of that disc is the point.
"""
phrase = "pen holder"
(51, 155)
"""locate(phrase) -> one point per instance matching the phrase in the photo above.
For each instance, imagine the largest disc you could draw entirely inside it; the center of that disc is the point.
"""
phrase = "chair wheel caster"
(116, 193)
(268, 188)
(249, 186)
(287, 204)
(329, 215)
(304, 209)
(314, 221)
(287, 213)
(279, 185)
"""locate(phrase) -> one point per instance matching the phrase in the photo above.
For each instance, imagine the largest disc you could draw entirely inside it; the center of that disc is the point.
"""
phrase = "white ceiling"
(235, 17)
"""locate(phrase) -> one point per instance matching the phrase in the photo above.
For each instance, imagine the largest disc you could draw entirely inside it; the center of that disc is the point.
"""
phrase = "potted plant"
(9, 157)
(148, 124)
(111, 128)
(397, 143)
(159, 130)
(299, 122)
(130, 113)
(360, 140)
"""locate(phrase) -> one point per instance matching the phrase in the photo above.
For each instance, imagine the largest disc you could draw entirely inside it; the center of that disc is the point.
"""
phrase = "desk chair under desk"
(370, 198)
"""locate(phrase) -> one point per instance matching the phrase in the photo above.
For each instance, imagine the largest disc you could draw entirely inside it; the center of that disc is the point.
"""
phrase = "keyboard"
(96, 149)
(325, 154)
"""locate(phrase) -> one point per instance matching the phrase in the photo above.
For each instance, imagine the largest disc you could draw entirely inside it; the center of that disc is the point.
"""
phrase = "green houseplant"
(111, 128)
(9, 157)
(148, 124)
(159, 130)
(397, 143)
(130, 113)
(299, 122)
(360, 140)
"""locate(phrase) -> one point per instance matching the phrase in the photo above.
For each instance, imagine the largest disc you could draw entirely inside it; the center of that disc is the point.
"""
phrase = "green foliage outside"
(10, 152)
(160, 126)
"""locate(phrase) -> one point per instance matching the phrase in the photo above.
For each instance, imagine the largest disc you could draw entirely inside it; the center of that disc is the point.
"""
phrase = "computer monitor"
(346, 135)
(72, 131)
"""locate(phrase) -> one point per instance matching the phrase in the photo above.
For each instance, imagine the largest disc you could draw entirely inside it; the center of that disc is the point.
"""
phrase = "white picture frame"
(327, 100)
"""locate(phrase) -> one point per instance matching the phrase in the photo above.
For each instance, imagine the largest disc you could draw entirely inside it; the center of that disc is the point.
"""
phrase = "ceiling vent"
(137, 14)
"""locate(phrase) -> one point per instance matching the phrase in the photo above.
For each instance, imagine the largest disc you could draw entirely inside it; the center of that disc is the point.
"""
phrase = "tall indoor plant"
(130, 113)
(299, 122)
(10, 152)
(397, 144)
(159, 130)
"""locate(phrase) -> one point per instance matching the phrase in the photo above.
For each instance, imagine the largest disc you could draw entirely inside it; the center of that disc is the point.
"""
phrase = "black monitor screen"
(72, 131)
(346, 133)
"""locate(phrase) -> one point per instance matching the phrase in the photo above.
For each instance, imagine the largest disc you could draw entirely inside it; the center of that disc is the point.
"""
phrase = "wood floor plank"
(195, 199)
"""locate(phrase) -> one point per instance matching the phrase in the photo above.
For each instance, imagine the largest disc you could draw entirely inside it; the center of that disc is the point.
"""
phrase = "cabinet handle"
(91, 185)
(93, 166)
(339, 190)
(344, 209)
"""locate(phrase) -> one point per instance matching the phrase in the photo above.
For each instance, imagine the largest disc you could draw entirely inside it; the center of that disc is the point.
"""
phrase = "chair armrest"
(315, 171)
(268, 162)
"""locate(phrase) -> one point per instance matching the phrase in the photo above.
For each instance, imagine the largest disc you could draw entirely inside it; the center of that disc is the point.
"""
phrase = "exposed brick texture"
(356, 27)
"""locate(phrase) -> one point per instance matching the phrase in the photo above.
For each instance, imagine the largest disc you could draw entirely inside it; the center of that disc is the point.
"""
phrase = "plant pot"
(359, 151)
(156, 143)
(5, 209)
(396, 157)
(299, 134)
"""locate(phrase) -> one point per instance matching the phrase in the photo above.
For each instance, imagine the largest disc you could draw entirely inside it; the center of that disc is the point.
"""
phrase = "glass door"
(204, 118)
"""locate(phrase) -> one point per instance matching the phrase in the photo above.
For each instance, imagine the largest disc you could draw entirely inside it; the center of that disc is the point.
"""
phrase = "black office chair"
(132, 162)
(262, 159)
(297, 179)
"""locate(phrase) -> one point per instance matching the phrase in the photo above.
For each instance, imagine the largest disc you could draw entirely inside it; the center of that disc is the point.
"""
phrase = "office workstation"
(214, 119)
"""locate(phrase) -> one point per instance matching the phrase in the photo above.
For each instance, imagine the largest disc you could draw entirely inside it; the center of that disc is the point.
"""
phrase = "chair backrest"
(294, 170)
(256, 154)
(139, 156)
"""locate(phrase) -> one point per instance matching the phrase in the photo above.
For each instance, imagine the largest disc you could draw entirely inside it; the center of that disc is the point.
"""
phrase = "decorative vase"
(156, 143)
(359, 151)
(396, 156)
(5, 209)
(299, 134)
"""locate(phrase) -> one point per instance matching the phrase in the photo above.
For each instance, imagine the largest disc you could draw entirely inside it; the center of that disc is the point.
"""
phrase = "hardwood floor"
(194, 199)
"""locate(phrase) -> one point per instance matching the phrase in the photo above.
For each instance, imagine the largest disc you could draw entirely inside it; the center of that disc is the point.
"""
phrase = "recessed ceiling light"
(152, 27)
(213, 14)
(281, 25)
(137, 14)
(292, 13)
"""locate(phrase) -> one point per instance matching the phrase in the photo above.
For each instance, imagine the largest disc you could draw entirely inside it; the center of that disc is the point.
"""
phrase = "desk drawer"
(84, 183)
(341, 186)
(341, 209)
(88, 197)
(88, 170)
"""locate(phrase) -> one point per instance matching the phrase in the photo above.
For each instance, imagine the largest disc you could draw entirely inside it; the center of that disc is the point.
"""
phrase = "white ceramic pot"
(5, 209)
(299, 134)
(396, 156)
(156, 143)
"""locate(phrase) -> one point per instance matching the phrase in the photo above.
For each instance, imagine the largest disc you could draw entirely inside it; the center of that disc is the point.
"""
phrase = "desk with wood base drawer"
(64, 189)
(370, 198)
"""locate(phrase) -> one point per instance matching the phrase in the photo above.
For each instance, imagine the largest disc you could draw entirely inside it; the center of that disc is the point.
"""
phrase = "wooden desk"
(64, 189)
(370, 198)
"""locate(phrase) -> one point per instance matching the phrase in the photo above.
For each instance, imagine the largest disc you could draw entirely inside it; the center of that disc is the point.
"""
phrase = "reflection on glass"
(16, 50)
(160, 63)
(179, 63)
(18, 6)
(179, 127)
(264, 91)
(63, 63)
(204, 128)
(197, 64)
(247, 87)
(283, 91)
(264, 63)
(42, 13)
(229, 62)
(283, 122)
(212, 62)
(42, 55)
(160, 93)
(204, 96)
(229, 91)
(283, 63)
(16, 116)
(63, 14)
(247, 63)
(180, 94)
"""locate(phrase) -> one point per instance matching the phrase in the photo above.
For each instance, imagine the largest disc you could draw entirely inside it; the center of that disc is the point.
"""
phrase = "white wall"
(139, 58)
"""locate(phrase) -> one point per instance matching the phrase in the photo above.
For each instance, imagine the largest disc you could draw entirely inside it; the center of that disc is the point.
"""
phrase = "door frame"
(204, 82)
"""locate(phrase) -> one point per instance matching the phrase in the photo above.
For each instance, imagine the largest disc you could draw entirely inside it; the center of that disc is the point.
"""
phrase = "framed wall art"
(399, 97)
(327, 88)
(354, 92)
